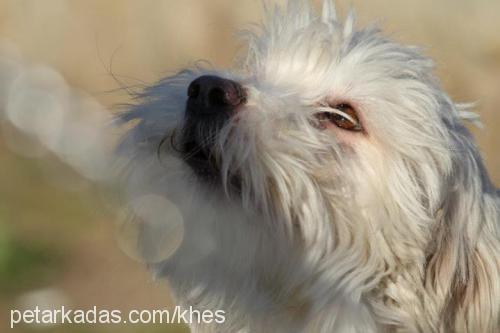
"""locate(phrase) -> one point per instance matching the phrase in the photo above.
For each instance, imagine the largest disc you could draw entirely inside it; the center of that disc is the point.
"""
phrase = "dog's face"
(322, 116)
(322, 129)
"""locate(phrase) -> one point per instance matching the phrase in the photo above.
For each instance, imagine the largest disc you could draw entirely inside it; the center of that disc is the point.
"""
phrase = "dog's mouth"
(200, 157)
(212, 101)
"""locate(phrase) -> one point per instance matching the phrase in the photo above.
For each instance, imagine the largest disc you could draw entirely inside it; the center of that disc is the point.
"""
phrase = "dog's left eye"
(341, 115)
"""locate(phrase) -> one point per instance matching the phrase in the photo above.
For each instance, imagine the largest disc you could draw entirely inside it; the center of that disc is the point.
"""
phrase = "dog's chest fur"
(233, 262)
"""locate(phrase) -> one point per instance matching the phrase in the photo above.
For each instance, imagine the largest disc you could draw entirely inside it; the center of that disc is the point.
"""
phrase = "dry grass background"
(56, 232)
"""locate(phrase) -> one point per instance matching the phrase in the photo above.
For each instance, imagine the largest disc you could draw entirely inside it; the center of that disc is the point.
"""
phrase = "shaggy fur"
(392, 229)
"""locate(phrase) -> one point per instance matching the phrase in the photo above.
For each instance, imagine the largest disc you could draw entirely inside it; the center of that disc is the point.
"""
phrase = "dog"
(326, 183)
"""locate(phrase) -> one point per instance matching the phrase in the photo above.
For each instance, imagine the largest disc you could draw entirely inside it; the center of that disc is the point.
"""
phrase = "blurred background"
(57, 240)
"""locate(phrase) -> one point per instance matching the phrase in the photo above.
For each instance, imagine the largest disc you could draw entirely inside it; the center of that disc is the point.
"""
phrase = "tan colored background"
(60, 237)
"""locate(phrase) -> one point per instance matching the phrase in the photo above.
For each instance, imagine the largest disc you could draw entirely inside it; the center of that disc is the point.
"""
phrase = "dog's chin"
(205, 167)
(200, 161)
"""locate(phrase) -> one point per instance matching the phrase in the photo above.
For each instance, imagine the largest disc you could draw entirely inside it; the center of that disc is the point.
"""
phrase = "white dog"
(326, 184)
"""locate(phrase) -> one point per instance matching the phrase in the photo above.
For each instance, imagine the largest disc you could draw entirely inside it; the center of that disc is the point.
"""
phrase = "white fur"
(392, 230)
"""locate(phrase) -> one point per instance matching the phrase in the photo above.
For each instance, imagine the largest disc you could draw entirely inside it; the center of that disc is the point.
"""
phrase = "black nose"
(209, 94)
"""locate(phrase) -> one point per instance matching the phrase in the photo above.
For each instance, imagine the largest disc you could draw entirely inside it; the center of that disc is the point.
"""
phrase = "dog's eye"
(341, 115)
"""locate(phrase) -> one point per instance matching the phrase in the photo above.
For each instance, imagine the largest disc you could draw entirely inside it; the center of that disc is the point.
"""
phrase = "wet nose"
(210, 94)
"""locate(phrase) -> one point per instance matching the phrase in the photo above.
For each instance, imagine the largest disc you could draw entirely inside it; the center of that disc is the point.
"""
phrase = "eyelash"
(342, 115)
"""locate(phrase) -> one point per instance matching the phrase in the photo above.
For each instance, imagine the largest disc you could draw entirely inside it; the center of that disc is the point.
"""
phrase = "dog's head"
(339, 136)
(317, 115)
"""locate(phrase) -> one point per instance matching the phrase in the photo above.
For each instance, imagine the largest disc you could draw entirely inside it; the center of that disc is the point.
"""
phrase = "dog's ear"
(463, 258)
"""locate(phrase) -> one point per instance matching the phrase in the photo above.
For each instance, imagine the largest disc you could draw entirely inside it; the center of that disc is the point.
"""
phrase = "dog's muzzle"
(212, 101)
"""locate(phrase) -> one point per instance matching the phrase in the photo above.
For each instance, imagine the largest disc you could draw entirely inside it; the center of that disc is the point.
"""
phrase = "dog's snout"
(209, 94)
